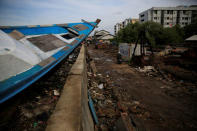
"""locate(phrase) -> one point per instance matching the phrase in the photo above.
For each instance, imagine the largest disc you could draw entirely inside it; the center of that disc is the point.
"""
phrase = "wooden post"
(135, 46)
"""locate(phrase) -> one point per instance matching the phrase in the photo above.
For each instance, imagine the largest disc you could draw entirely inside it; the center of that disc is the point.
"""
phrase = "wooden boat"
(29, 52)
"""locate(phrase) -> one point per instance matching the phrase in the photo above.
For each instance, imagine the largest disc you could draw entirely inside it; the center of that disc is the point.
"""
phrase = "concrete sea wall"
(72, 111)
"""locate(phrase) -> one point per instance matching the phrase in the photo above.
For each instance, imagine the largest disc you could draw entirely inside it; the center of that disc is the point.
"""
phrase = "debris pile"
(101, 92)
(102, 95)
(112, 111)
(142, 98)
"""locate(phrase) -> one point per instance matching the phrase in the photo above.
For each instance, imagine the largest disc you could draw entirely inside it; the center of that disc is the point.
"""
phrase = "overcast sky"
(36, 12)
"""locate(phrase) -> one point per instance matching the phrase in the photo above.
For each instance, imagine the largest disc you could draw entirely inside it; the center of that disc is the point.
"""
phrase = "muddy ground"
(30, 109)
(150, 101)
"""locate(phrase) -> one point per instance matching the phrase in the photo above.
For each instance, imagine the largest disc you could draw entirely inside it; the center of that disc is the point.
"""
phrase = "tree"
(190, 30)
(128, 34)
(155, 33)
(173, 35)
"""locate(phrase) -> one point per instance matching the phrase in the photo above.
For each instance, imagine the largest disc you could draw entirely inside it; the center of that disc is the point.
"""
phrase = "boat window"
(71, 33)
(69, 36)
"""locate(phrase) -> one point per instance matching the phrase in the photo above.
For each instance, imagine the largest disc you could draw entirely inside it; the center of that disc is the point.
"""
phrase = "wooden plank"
(93, 67)
(80, 27)
(46, 61)
(16, 35)
(47, 42)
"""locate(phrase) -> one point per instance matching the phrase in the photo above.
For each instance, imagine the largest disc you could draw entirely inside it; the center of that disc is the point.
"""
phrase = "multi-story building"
(123, 24)
(117, 27)
(170, 16)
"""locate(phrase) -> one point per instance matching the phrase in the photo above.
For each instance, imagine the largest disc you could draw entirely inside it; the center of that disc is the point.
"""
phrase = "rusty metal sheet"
(98, 21)
(65, 48)
(46, 61)
(81, 36)
(80, 27)
(32, 26)
(62, 24)
(74, 42)
(5, 27)
(16, 35)
(47, 42)
(47, 25)
(124, 50)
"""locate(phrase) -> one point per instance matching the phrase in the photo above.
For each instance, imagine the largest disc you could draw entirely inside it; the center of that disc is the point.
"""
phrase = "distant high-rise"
(170, 16)
(123, 24)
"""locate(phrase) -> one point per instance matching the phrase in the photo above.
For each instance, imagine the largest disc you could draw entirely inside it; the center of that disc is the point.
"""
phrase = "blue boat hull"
(15, 84)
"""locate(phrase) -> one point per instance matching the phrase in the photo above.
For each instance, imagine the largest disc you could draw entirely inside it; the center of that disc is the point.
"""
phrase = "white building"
(170, 16)
(103, 35)
(123, 24)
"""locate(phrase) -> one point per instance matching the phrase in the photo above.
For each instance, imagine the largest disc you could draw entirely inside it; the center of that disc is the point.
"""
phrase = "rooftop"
(192, 38)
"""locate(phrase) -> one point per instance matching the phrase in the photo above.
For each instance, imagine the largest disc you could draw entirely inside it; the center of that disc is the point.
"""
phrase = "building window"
(142, 15)
(155, 11)
(186, 18)
(169, 11)
(167, 23)
(155, 18)
(167, 18)
(142, 20)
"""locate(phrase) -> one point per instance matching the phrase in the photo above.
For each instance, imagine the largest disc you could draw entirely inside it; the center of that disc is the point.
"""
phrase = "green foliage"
(155, 33)
(173, 35)
(129, 33)
(190, 30)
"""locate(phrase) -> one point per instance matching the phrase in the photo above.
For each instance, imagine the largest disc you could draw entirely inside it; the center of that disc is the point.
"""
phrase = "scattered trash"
(146, 69)
(71, 56)
(162, 87)
(99, 74)
(100, 86)
(96, 58)
(28, 114)
(38, 97)
(89, 73)
(108, 60)
(136, 103)
(56, 93)
(35, 124)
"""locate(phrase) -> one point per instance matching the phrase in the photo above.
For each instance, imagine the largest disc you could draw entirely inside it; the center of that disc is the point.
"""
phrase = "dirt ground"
(151, 102)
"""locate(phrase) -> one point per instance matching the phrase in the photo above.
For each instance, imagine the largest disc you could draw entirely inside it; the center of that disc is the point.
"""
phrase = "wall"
(72, 111)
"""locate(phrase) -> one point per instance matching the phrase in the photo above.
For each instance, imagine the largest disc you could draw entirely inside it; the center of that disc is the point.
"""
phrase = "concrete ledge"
(72, 111)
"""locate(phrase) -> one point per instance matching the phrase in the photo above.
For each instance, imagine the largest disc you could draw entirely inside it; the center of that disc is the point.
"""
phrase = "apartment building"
(170, 16)
(123, 24)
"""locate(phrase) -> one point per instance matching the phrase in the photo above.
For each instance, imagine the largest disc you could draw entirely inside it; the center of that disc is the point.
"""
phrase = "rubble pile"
(140, 98)
(104, 101)
(151, 71)
(113, 109)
